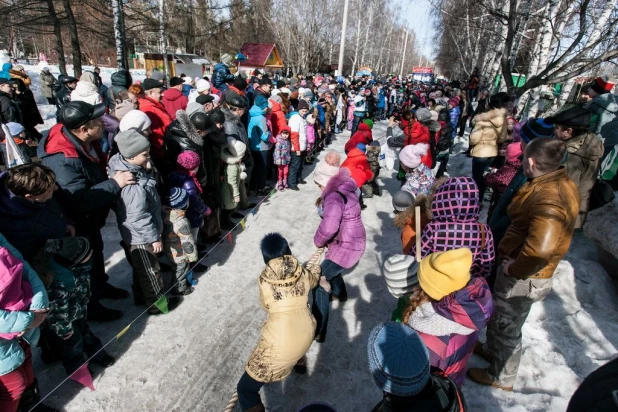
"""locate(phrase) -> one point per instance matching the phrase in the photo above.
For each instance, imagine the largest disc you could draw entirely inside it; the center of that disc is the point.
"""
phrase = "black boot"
(226, 220)
(31, 397)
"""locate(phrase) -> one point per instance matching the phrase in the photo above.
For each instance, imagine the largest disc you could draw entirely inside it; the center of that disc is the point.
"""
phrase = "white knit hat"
(323, 173)
(134, 119)
(400, 274)
(410, 156)
(202, 85)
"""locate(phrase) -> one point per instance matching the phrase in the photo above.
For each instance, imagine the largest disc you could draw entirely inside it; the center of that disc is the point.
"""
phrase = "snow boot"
(481, 376)
(226, 220)
(31, 397)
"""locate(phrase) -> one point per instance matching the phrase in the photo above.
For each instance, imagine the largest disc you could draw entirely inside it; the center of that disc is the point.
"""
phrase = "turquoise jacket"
(258, 130)
(11, 353)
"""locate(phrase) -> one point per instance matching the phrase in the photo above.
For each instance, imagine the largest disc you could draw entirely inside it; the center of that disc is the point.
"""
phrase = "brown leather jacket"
(543, 214)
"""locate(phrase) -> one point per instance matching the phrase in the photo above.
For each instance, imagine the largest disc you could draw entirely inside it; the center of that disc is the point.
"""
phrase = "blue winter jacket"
(321, 115)
(381, 100)
(258, 130)
(11, 353)
(454, 114)
(220, 76)
(5, 74)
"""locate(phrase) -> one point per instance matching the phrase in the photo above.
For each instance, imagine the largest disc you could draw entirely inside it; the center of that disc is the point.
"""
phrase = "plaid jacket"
(455, 207)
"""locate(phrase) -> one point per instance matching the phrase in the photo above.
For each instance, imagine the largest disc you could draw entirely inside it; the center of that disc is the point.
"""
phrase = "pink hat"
(410, 156)
(188, 160)
(513, 151)
(453, 101)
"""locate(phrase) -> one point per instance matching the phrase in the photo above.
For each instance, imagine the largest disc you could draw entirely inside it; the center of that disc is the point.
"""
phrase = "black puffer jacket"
(182, 136)
(446, 132)
(9, 109)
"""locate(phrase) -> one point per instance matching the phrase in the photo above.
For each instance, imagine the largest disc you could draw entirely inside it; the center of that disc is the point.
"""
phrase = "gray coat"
(139, 209)
(47, 84)
(234, 128)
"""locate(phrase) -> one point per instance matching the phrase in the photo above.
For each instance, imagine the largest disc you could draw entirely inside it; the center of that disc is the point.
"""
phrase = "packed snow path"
(192, 358)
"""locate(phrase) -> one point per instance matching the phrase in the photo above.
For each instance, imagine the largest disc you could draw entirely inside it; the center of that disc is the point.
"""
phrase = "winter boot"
(31, 397)
(226, 220)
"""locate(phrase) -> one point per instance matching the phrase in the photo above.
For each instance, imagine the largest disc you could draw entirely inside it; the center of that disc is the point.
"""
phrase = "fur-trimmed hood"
(184, 122)
(407, 216)
(341, 182)
(433, 126)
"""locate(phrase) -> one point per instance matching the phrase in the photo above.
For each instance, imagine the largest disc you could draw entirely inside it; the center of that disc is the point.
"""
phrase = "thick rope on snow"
(232, 403)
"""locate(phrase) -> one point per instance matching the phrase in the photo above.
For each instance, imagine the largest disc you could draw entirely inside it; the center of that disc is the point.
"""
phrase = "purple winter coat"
(111, 124)
(342, 229)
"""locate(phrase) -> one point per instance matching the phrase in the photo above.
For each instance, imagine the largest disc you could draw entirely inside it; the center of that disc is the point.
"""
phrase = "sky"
(417, 18)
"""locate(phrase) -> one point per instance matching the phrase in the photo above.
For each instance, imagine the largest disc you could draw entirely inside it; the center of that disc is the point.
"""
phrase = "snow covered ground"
(192, 358)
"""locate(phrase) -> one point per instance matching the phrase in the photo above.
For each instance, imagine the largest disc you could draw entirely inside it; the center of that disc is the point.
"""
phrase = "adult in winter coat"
(341, 231)
(23, 307)
(86, 90)
(584, 150)
(260, 143)
(30, 212)
(287, 333)
(416, 133)
(543, 215)
(72, 151)
(363, 135)
(65, 87)
(233, 128)
(455, 207)
(400, 364)
(448, 310)
(604, 104)
(358, 166)
(48, 84)
(121, 80)
(173, 98)
(159, 118)
(444, 142)
(31, 117)
(489, 132)
(221, 76)
(9, 108)
(182, 135)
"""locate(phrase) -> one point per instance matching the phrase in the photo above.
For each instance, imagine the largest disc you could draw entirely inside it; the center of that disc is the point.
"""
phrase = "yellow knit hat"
(443, 273)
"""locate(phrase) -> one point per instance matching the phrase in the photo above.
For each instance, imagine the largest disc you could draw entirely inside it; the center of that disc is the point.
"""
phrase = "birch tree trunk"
(77, 54)
(121, 50)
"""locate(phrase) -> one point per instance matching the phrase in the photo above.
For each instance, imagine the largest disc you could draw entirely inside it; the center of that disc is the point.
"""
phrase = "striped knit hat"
(177, 198)
(400, 274)
(398, 359)
(536, 128)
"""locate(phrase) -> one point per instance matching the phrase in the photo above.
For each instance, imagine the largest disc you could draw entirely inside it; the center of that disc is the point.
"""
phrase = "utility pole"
(403, 54)
(162, 40)
(121, 50)
(342, 43)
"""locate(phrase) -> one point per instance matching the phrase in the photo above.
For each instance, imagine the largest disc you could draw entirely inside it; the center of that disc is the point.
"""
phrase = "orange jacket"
(358, 166)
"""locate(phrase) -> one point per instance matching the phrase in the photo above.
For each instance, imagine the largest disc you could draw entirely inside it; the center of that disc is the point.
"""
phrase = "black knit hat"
(266, 80)
(534, 128)
(175, 81)
(574, 117)
(280, 84)
(240, 83)
(69, 251)
(273, 245)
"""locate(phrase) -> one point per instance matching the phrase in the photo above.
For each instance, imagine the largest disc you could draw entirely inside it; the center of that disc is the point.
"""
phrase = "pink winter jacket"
(15, 291)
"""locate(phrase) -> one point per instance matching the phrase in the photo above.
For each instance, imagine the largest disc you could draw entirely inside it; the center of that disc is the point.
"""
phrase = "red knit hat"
(603, 84)
(188, 160)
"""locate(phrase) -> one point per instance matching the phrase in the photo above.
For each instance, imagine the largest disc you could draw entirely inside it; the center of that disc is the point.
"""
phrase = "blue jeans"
(356, 123)
(321, 298)
(479, 166)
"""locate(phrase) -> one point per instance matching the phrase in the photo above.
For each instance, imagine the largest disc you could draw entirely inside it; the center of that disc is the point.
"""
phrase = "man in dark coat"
(121, 80)
(72, 151)
(9, 109)
(63, 94)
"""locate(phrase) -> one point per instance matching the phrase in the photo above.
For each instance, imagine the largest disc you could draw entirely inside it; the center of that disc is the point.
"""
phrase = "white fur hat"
(234, 152)
(323, 173)
(202, 85)
(134, 119)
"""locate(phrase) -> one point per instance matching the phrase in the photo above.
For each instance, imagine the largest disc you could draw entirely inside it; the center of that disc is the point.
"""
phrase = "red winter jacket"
(277, 118)
(418, 133)
(174, 100)
(358, 166)
(363, 135)
(160, 120)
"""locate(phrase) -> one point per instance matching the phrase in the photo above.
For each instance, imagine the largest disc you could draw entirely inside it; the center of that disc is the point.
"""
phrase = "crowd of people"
(179, 162)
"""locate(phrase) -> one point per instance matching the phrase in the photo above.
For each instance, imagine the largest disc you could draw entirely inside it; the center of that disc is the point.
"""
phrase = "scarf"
(193, 176)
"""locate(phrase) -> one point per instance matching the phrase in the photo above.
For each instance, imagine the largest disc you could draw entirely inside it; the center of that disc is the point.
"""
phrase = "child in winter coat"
(67, 328)
(233, 176)
(178, 241)
(448, 308)
(138, 212)
(418, 177)
(454, 113)
(417, 132)
(23, 307)
(405, 204)
(19, 137)
(358, 165)
(371, 188)
(288, 332)
(455, 210)
(185, 178)
(363, 135)
(403, 370)
(500, 179)
(311, 126)
(282, 157)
